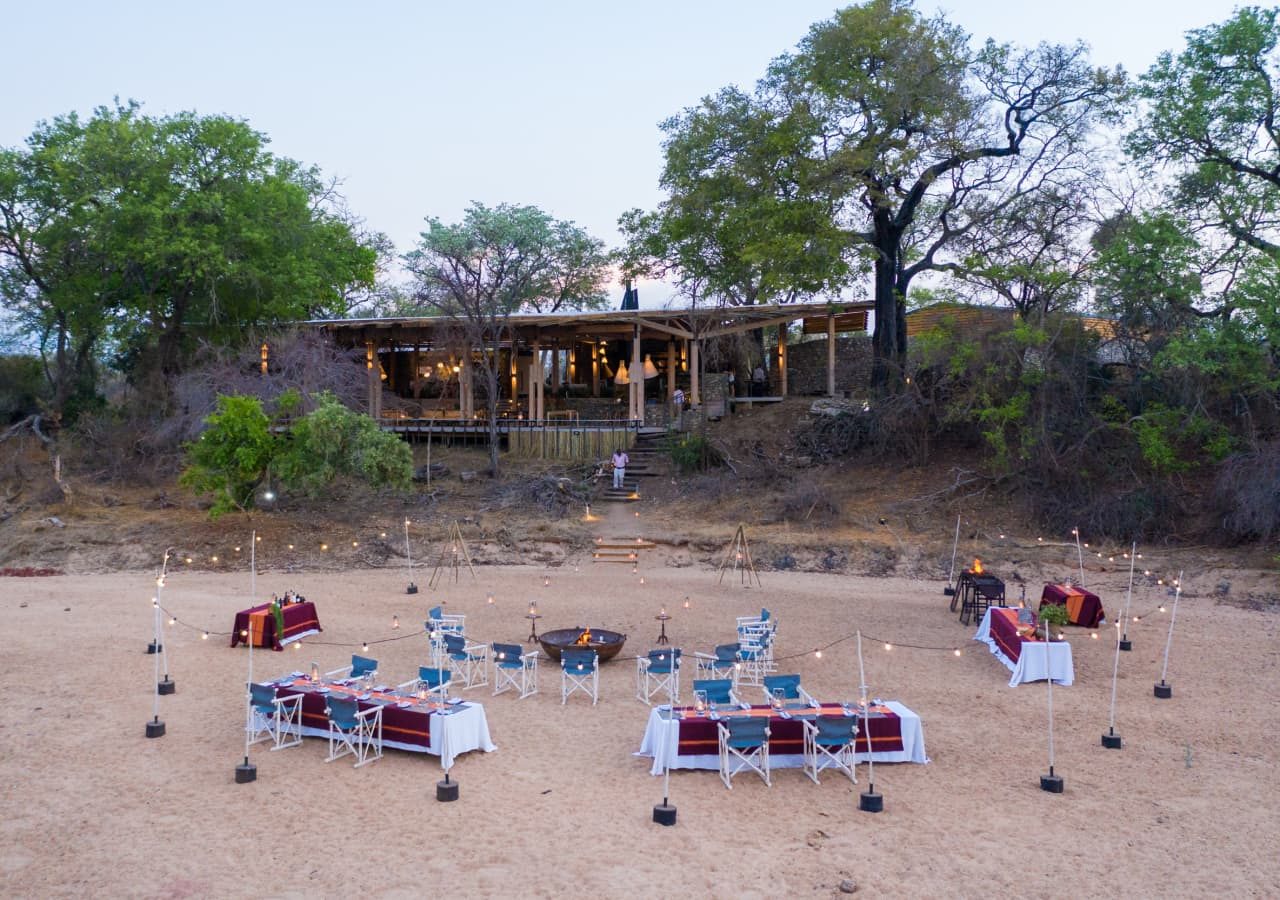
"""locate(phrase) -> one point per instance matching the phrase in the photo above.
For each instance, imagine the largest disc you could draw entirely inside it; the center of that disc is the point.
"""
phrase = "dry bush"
(1246, 494)
(807, 502)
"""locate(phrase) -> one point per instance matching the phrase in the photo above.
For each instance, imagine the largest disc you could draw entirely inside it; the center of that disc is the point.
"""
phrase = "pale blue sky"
(422, 107)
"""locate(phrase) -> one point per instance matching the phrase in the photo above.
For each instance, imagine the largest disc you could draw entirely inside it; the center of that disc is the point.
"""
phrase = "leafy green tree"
(739, 225)
(331, 441)
(494, 263)
(239, 453)
(908, 139)
(1210, 120)
(231, 457)
(143, 235)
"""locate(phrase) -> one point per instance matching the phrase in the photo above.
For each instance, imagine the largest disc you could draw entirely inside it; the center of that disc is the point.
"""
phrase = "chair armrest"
(707, 656)
(375, 711)
(531, 655)
(411, 683)
(343, 671)
(806, 696)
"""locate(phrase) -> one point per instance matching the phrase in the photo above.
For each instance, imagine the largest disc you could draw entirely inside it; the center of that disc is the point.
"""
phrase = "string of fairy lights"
(888, 644)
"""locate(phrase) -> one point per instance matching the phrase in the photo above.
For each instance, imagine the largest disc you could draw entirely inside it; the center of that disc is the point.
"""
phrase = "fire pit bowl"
(605, 643)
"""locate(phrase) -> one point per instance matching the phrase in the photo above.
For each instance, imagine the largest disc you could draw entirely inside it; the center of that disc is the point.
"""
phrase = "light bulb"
(1093, 635)
(205, 636)
(956, 651)
(174, 621)
(291, 546)
(355, 543)
(489, 599)
(395, 622)
(324, 546)
(817, 654)
(888, 646)
(364, 648)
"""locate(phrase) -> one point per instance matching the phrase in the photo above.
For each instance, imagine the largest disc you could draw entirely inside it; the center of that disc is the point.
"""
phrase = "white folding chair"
(579, 671)
(470, 659)
(432, 679)
(657, 672)
(359, 668)
(437, 620)
(514, 669)
(724, 664)
(752, 658)
(354, 731)
(744, 746)
(793, 695)
(830, 742)
(274, 718)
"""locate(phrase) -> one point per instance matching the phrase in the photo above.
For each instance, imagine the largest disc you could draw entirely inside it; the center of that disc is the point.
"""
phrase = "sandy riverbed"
(1190, 807)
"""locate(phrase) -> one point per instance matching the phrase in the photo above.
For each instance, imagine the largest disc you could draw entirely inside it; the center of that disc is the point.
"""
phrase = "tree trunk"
(889, 340)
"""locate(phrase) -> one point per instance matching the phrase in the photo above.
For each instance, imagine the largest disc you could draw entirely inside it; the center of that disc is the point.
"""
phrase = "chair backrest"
(342, 712)
(507, 655)
(262, 696)
(727, 652)
(747, 731)
(764, 614)
(455, 643)
(433, 677)
(716, 689)
(362, 665)
(788, 684)
(577, 659)
(435, 613)
(661, 661)
(836, 730)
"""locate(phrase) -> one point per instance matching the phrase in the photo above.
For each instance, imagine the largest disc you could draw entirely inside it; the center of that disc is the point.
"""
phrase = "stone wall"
(807, 366)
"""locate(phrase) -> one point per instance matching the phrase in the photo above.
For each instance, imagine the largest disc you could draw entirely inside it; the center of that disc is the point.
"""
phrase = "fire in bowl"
(605, 643)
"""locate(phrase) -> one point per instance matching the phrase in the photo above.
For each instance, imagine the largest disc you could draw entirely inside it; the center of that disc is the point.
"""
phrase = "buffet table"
(441, 729)
(685, 739)
(1083, 607)
(1029, 659)
(300, 620)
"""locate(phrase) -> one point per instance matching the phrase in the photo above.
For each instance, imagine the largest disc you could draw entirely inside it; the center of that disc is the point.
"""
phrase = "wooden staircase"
(614, 551)
(648, 459)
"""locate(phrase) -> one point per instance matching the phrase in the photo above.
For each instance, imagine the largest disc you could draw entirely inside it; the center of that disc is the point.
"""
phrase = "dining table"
(259, 624)
(1028, 658)
(443, 728)
(687, 738)
(1083, 607)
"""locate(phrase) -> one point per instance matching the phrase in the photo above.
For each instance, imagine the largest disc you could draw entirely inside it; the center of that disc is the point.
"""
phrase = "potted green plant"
(1053, 614)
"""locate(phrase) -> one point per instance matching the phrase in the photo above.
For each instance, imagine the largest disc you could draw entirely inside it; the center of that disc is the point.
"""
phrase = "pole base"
(870, 801)
(246, 772)
(153, 647)
(948, 591)
(167, 686)
(411, 589)
(446, 791)
(155, 728)
(1051, 783)
(1112, 741)
(1164, 691)
(664, 814)
(1126, 644)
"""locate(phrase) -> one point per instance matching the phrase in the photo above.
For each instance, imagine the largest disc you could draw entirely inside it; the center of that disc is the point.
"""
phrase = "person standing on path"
(758, 381)
(620, 460)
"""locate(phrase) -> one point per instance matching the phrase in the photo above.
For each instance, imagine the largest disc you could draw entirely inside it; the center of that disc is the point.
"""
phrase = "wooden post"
(595, 370)
(555, 367)
(540, 411)
(695, 383)
(571, 364)
(369, 359)
(416, 380)
(535, 378)
(637, 377)
(831, 354)
(782, 359)
(671, 370)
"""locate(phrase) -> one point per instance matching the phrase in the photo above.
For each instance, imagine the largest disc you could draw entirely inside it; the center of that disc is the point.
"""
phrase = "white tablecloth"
(1038, 661)
(452, 735)
(662, 735)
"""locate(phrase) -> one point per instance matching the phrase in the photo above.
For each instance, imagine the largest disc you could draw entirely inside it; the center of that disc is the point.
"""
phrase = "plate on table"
(455, 701)
(382, 688)
(363, 696)
(403, 704)
(322, 690)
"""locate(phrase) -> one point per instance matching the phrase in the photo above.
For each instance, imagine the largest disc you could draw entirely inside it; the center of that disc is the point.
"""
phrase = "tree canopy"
(139, 235)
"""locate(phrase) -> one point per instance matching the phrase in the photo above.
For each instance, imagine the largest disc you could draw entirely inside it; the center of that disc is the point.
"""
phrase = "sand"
(1190, 806)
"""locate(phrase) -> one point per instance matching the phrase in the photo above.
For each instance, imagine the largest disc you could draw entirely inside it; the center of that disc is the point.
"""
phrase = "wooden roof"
(662, 323)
